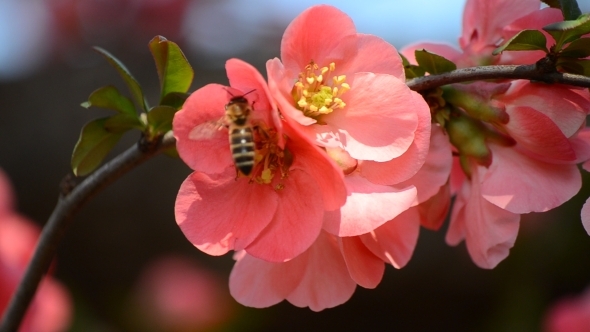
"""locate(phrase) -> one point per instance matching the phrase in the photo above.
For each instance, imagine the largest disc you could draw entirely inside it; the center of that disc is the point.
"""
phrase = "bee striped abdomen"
(242, 148)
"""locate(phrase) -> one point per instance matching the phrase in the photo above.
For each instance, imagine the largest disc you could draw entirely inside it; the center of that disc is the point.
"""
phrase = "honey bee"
(241, 138)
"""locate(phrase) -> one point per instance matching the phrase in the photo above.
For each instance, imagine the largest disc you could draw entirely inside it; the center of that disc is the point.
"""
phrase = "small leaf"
(131, 82)
(574, 66)
(109, 97)
(526, 40)
(94, 144)
(160, 118)
(433, 63)
(568, 31)
(121, 123)
(411, 71)
(174, 99)
(174, 71)
(579, 48)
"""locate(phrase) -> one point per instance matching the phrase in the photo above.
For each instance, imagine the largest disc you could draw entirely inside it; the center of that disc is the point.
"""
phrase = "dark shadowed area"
(131, 223)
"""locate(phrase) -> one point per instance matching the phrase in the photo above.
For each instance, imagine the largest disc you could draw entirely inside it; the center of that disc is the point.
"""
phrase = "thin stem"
(526, 72)
(61, 218)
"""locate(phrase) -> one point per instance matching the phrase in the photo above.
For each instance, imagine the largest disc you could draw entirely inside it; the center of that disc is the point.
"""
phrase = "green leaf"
(526, 40)
(411, 71)
(567, 31)
(174, 71)
(109, 97)
(174, 99)
(131, 82)
(94, 144)
(579, 48)
(574, 66)
(433, 63)
(121, 123)
(160, 118)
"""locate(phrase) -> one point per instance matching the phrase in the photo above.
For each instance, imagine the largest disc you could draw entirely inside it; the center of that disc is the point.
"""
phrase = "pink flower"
(175, 294)
(274, 214)
(50, 310)
(529, 134)
(569, 315)
(345, 89)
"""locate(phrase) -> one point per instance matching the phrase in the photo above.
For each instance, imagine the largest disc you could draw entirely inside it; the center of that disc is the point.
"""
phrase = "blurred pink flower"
(175, 294)
(50, 310)
(275, 213)
(571, 314)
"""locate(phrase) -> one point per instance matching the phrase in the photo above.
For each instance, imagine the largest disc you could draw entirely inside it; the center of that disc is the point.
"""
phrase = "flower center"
(270, 160)
(315, 95)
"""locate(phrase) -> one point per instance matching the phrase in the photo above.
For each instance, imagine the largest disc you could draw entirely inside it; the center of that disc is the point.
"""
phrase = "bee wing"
(206, 130)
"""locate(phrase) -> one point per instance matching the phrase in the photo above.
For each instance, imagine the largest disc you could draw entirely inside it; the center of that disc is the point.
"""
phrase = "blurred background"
(111, 256)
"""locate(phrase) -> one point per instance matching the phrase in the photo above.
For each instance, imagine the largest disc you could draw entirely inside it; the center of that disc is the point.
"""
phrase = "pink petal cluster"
(50, 310)
(366, 166)
(361, 163)
(539, 134)
(571, 314)
(175, 294)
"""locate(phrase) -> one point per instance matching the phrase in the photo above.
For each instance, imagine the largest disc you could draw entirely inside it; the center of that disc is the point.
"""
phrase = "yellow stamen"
(313, 93)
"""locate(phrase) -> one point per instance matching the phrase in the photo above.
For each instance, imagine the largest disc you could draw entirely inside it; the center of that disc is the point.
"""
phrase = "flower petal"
(521, 184)
(371, 54)
(379, 121)
(368, 206)
(536, 133)
(313, 35)
(364, 267)
(489, 231)
(394, 241)
(195, 132)
(296, 223)
(483, 20)
(245, 77)
(565, 106)
(405, 166)
(257, 283)
(436, 169)
(280, 84)
(326, 173)
(326, 282)
(220, 213)
(434, 211)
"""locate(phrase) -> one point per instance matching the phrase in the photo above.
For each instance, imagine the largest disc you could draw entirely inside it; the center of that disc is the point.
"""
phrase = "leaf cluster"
(99, 136)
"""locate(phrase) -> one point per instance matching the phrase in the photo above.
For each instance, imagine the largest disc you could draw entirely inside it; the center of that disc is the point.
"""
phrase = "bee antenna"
(249, 92)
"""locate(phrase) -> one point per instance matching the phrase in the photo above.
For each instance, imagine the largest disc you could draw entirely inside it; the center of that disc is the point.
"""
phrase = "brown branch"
(526, 72)
(61, 218)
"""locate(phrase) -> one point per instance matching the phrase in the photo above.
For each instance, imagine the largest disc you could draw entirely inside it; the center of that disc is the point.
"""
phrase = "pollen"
(272, 161)
(315, 94)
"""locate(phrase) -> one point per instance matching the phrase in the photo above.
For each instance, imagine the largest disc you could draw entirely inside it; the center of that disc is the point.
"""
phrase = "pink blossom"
(175, 294)
(345, 89)
(274, 214)
(486, 24)
(571, 314)
(51, 307)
